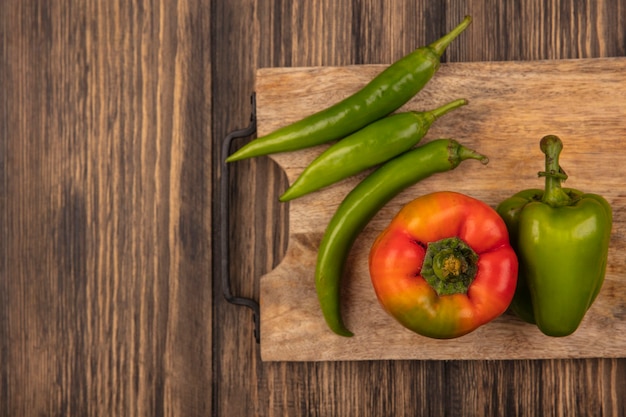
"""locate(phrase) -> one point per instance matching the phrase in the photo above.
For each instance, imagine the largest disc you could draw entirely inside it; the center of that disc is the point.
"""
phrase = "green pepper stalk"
(561, 236)
(384, 94)
(370, 146)
(363, 202)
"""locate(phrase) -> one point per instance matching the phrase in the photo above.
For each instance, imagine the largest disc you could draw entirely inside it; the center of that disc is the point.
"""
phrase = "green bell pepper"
(561, 237)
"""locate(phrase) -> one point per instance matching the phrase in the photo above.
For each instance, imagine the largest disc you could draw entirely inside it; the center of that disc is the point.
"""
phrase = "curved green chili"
(374, 144)
(384, 94)
(363, 202)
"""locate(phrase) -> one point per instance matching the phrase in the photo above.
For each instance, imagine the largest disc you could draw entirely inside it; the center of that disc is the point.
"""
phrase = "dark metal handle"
(225, 211)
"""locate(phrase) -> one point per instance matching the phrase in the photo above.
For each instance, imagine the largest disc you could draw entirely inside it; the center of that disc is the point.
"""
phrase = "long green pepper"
(363, 202)
(387, 92)
(374, 144)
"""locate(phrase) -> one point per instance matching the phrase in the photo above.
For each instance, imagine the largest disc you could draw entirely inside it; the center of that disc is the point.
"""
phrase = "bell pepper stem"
(449, 266)
(554, 195)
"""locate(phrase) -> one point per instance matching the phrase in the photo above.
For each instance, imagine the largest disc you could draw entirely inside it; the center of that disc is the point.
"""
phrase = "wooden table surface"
(112, 115)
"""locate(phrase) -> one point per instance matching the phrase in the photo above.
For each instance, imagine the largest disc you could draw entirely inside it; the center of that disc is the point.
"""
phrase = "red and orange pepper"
(444, 265)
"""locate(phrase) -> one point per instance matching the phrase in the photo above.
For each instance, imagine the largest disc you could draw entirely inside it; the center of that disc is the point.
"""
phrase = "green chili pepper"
(372, 145)
(561, 236)
(363, 202)
(384, 94)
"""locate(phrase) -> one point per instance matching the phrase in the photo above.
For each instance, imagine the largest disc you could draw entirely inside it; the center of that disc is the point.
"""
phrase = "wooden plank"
(105, 208)
(511, 106)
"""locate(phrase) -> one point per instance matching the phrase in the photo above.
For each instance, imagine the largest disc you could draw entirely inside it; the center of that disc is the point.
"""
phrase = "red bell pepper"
(444, 266)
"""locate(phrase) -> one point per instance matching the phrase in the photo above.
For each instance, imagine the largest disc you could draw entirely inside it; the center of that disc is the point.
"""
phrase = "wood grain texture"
(111, 118)
(512, 105)
(104, 292)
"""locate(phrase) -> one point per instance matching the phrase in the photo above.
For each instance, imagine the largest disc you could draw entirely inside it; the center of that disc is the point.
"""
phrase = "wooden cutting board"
(512, 105)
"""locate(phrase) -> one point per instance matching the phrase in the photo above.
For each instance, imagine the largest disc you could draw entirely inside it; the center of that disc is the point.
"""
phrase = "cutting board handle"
(224, 216)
